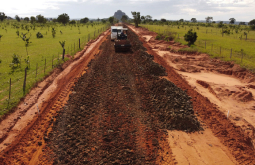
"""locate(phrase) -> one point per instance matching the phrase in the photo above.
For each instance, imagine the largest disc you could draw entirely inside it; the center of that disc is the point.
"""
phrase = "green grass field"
(47, 48)
(210, 41)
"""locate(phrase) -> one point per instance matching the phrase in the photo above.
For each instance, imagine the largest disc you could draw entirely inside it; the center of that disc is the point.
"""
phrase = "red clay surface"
(238, 140)
(119, 109)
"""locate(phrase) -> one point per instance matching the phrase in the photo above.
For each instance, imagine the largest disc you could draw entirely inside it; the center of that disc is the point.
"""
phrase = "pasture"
(44, 54)
(229, 47)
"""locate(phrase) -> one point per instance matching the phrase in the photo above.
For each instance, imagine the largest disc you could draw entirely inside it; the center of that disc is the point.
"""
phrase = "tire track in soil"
(29, 147)
(110, 118)
(232, 136)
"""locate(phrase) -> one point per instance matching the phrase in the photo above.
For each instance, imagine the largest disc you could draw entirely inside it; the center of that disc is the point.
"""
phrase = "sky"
(220, 10)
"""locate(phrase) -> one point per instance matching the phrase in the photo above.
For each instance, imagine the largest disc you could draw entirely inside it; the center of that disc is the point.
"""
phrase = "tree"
(137, 18)
(2, 16)
(124, 18)
(103, 21)
(40, 19)
(32, 19)
(26, 19)
(181, 20)
(242, 23)
(63, 18)
(84, 20)
(163, 20)
(73, 22)
(111, 19)
(190, 37)
(148, 18)
(232, 20)
(220, 25)
(143, 18)
(193, 20)
(252, 22)
(17, 18)
(208, 19)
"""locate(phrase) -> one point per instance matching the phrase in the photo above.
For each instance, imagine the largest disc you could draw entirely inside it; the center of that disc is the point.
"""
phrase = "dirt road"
(120, 108)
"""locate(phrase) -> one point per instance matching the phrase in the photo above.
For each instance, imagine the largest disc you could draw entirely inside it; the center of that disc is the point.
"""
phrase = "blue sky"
(241, 10)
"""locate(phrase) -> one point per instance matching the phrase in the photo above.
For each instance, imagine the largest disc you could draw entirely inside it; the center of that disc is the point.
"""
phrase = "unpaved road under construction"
(110, 107)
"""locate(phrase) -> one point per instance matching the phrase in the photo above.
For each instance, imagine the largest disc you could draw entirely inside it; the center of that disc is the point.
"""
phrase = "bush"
(0, 61)
(190, 37)
(39, 35)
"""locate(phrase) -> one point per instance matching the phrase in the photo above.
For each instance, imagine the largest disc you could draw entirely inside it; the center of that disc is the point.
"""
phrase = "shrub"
(0, 61)
(190, 37)
(39, 35)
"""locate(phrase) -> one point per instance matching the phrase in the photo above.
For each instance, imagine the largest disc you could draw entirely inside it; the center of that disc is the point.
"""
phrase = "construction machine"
(121, 42)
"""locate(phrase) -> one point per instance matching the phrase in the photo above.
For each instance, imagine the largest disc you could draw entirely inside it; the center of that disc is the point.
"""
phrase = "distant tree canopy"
(111, 19)
(124, 18)
(193, 20)
(40, 19)
(32, 19)
(242, 23)
(2, 16)
(220, 24)
(148, 18)
(181, 20)
(103, 20)
(163, 20)
(208, 19)
(26, 19)
(252, 22)
(137, 18)
(17, 18)
(232, 20)
(63, 18)
(84, 20)
(72, 22)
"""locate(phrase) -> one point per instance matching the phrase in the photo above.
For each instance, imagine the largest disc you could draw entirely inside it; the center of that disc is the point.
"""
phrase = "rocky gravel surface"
(119, 110)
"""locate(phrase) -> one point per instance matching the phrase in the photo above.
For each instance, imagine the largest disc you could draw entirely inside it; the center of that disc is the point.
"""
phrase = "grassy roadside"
(44, 54)
(210, 41)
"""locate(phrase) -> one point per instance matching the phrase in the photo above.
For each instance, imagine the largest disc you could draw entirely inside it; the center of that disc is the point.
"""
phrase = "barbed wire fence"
(17, 87)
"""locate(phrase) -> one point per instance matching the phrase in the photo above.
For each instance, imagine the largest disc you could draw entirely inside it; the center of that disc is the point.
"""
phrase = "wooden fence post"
(79, 43)
(25, 80)
(63, 55)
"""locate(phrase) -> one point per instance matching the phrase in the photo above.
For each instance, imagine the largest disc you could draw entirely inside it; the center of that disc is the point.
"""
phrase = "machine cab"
(116, 30)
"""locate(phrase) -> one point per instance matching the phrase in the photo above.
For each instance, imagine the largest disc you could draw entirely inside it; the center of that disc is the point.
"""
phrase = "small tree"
(17, 32)
(41, 19)
(137, 18)
(62, 43)
(190, 37)
(15, 61)
(53, 32)
(26, 40)
(39, 35)
(181, 20)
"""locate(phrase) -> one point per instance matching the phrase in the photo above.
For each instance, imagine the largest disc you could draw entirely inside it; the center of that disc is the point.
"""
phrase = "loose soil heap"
(117, 110)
